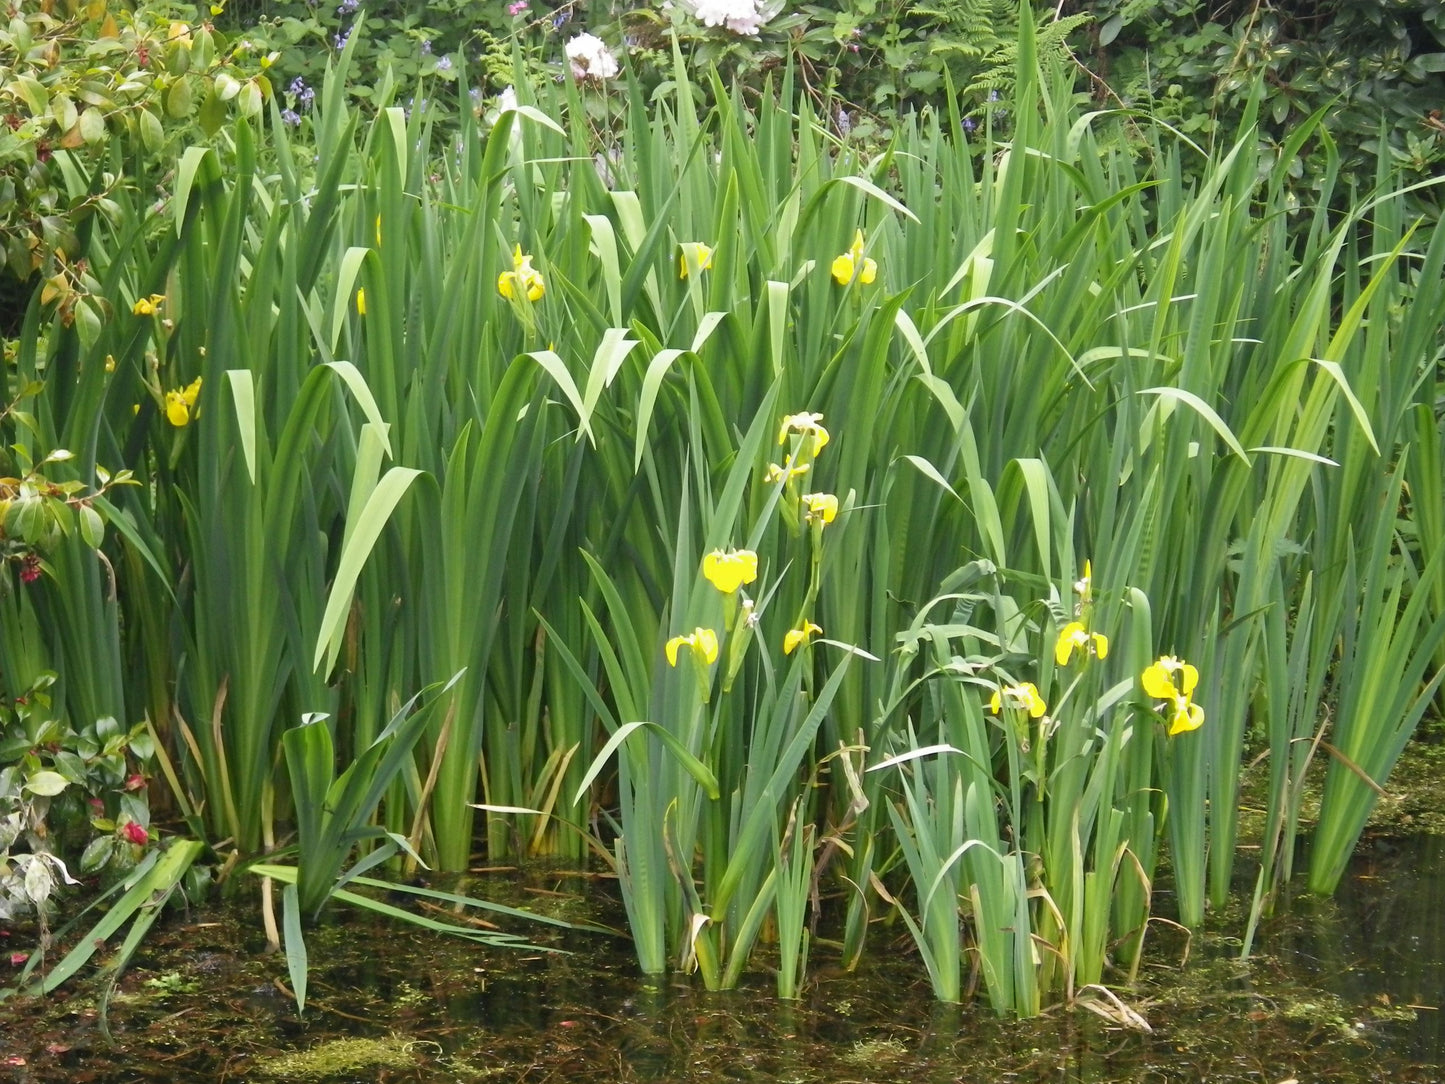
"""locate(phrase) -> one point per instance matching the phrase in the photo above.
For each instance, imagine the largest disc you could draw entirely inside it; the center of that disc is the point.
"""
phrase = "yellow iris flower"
(181, 403)
(1185, 715)
(1024, 697)
(148, 306)
(523, 277)
(1169, 678)
(1173, 681)
(1084, 586)
(796, 638)
(361, 302)
(703, 643)
(806, 424)
(777, 473)
(701, 254)
(727, 571)
(854, 265)
(822, 507)
(1075, 636)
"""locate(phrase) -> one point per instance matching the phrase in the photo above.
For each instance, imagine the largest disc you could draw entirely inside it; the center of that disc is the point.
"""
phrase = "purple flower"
(444, 64)
(297, 87)
(346, 7)
(290, 117)
(426, 47)
(340, 41)
(969, 124)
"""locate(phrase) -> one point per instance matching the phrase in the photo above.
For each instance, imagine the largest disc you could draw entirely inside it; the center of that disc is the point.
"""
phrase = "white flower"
(591, 59)
(505, 102)
(739, 16)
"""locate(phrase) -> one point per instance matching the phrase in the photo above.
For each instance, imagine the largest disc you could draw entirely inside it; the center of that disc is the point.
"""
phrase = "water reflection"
(1331, 997)
(1381, 941)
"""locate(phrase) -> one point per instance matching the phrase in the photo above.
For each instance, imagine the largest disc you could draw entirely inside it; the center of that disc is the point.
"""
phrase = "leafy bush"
(69, 799)
(1374, 66)
(94, 95)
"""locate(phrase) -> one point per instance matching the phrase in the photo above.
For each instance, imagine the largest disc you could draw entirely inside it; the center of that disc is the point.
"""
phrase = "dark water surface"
(1341, 990)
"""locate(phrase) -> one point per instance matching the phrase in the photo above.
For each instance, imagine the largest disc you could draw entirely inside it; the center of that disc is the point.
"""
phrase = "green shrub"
(1374, 66)
(94, 95)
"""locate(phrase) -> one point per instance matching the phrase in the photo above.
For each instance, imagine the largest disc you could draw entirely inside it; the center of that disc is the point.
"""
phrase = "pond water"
(1343, 990)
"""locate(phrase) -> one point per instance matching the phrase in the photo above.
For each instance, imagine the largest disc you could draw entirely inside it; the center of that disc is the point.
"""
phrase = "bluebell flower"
(426, 47)
(290, 117)
(346, 7)
(444, 64)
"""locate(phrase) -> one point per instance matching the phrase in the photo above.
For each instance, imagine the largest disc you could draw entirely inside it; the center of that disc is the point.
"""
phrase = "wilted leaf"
(38, 880)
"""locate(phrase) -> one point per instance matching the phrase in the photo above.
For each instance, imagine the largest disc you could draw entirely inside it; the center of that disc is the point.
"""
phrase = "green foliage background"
(1377, 67)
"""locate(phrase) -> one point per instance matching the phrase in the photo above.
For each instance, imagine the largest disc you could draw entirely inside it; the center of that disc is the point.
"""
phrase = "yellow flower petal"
(1074, 636)
(853, 264)
(705, 641)
(777, 473)
(1186, 716)
(806, 422)
(192, 392)
(1071, 636)
(178, 411)
(821, 506)
(794, 638)
(672, 646)
(523, 275)
(361, 302)
(1035, 702)
(701, 254)
(1022, 697)
(1169, 677)
(727, 571)
(1157, 681)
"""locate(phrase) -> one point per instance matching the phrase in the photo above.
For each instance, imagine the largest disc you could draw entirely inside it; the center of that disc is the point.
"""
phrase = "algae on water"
(341, 1056)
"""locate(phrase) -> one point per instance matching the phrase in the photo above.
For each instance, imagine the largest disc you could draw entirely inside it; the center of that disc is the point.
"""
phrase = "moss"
(1413, 804)
(1410, 806)
(340, 1056)
(872, 1051)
